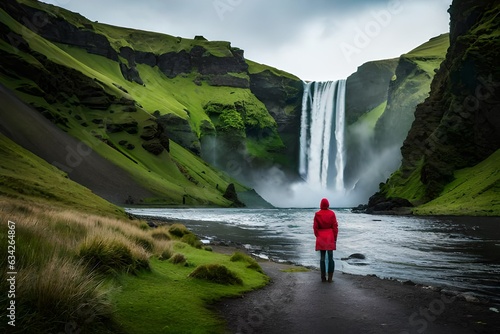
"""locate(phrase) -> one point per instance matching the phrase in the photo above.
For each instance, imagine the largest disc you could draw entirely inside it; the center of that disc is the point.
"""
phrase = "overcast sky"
(313, 39)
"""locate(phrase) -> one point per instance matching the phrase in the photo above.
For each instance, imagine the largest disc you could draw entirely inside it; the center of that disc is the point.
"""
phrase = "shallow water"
(459, 253)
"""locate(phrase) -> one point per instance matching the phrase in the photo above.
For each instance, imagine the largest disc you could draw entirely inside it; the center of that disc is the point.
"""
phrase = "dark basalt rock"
(231, 195)
(153, 146)
(379, 203)
(156, 139)
(129, 127)
(179, 130)
(282, 97)
(59, 30)
(131, 74)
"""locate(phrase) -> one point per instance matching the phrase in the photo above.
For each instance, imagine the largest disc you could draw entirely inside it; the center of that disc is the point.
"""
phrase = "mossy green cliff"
(456, 132)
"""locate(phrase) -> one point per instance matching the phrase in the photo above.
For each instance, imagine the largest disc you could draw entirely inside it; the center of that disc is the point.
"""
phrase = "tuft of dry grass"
(110, 253)
(62, 292)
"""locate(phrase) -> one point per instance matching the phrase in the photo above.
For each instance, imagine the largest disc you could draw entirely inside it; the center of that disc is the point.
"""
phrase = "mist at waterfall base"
(326, 163)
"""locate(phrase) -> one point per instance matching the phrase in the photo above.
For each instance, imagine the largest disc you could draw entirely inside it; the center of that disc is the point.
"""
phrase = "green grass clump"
(216, 273)
(178, 230)
(193, 240)
(111, 254)
(166, 253)
(178, 258)
(252, 263)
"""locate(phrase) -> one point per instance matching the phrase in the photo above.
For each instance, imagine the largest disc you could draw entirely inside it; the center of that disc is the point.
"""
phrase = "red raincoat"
(325, 227)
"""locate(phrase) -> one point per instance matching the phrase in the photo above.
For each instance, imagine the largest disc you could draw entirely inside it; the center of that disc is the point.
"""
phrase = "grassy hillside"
(152, 130)
(82, 263)
(474, 192)
(92, 273)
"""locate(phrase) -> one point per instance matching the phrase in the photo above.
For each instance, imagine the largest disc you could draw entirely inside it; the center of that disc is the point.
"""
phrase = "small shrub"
(178, 258)
(216, 273)
(241, 257)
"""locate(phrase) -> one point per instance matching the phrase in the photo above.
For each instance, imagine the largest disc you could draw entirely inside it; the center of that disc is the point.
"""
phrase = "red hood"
(324, 204)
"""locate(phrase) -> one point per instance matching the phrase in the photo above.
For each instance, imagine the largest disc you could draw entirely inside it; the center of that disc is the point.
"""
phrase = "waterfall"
(321, 153)
(339, 135)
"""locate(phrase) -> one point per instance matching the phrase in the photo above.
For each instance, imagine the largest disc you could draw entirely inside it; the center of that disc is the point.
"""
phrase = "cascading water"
(323, 114)
(339, 135)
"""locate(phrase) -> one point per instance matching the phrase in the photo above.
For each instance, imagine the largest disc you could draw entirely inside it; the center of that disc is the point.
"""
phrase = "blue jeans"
(322, 262)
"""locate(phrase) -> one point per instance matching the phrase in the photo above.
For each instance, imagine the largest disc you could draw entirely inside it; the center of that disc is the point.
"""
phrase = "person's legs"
(331, 265)
(322, 265)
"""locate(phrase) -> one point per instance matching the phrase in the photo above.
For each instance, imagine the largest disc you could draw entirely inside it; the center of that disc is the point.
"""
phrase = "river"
(457, 253)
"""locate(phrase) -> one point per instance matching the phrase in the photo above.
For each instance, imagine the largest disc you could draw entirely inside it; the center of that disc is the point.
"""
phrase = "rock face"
(179, 130)
(367, 87)
(57, 29)
(282, 97)
(380, 103)
(459, 124)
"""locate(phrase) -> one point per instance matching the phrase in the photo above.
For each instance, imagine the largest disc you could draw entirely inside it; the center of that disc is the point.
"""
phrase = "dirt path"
(298, 302)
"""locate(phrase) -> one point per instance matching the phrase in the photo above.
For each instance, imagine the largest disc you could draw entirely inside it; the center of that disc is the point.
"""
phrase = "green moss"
(230, 121)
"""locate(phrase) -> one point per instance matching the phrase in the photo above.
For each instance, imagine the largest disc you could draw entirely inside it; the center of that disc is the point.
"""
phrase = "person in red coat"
(326, 230)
